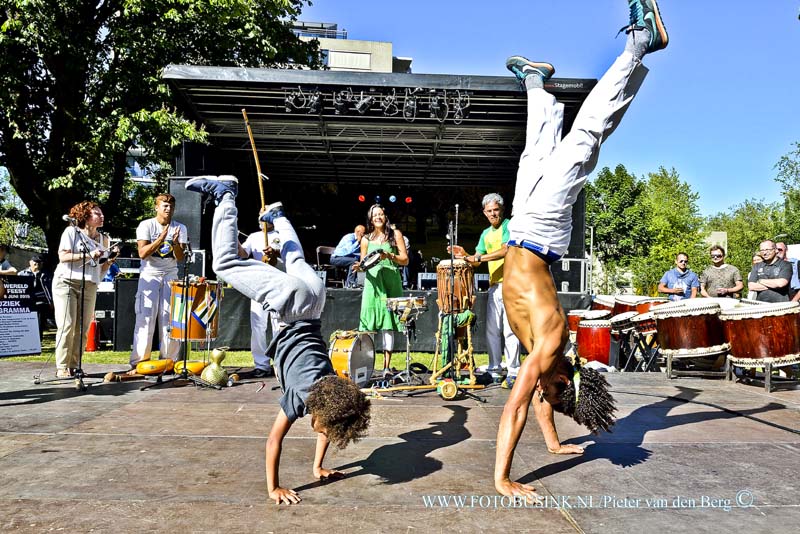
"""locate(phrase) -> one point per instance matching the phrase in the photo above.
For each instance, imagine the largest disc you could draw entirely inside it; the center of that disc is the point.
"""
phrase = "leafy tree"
(81, 87)
(674, 225)
(618, 218)
(788, 168)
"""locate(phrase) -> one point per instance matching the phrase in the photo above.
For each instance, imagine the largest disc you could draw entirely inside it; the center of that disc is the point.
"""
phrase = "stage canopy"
(416, 130)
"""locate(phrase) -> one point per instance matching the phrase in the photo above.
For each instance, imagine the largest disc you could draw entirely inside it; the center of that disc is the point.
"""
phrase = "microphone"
(71, 220)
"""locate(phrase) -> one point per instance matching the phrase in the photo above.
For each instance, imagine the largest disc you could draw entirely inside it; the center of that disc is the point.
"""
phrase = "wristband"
(478, 257)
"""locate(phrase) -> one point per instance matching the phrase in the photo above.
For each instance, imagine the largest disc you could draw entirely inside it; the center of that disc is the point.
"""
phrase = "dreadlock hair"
(340, 408)
(595, 406)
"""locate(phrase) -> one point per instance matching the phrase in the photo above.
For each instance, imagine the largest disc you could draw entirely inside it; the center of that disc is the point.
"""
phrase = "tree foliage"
(614, 209)
(674, 225)
(81, 87)
(788, 177)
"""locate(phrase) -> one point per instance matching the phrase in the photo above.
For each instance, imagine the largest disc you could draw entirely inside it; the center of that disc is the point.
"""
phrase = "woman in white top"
(82, 235)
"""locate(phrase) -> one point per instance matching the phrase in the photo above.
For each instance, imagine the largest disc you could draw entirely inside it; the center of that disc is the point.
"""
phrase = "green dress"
(381, 282)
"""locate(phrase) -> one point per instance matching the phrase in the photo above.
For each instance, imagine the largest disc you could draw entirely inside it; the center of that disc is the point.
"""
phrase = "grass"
(238, 358)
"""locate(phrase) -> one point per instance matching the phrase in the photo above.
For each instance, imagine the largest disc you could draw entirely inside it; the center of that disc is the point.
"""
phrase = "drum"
(155, 367)
(644, 323)
(649, 303)
(462, 290)
(621, 323)
(203, 300)
(767, 331)
(627, 303)
(603, 302)
(594, 340)
(353, 357)
(724, 303)
(370, 260)
(690, 328)
(576, 316)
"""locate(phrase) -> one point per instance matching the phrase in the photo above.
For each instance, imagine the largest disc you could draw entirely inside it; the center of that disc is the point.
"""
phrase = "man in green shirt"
(492, 249)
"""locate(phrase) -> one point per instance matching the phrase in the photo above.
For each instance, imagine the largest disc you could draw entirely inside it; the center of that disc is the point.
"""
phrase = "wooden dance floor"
(687, 455)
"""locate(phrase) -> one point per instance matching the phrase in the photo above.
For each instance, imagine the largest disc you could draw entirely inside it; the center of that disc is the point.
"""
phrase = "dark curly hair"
(595, 406)
(340, 408)
(388, 228)
(82, 211)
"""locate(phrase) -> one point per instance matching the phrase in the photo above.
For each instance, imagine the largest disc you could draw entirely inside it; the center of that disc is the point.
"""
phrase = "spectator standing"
(794, 284)
(681, 282)
(720, 279)
(771, 277)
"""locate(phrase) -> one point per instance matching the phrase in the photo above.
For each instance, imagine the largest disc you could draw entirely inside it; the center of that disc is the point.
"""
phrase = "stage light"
(364, 104)
(408, 200)
(392, 198)
(410, 104)
(339, 106)
(362, 198)
(377, 199)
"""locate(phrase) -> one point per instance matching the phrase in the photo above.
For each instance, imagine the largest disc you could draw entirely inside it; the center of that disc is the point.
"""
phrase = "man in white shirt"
(160, 241)
(255, 247)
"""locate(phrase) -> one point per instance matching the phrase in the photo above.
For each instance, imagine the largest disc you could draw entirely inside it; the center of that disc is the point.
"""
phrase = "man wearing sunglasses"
(794, 284)
(772, 276)
(681, 282)
(720, 279)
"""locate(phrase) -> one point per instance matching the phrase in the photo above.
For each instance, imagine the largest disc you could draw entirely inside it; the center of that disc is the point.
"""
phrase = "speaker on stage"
(125, 314)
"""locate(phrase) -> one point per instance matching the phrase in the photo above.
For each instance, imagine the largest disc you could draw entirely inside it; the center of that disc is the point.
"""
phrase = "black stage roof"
(378, 148)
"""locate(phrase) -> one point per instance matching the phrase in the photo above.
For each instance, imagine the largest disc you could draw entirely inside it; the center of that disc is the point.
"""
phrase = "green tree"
(81, 87)
(618, 218)
(674, 225)
(788, 176)
(747, 225)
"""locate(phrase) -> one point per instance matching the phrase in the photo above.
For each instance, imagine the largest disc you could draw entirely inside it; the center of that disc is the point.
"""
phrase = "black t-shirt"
(301, 359)
(777, 269)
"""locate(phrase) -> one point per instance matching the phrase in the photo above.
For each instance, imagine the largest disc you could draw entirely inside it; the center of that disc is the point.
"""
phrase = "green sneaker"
(645, 14)
(523, 67)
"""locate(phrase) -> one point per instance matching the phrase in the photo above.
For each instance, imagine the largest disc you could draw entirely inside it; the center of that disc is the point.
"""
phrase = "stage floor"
(687, 455)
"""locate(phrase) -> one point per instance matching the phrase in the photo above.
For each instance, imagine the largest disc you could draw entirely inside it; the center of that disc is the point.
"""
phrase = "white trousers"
(153, 304)
(552, 171)
(499, 337)
(259, 320)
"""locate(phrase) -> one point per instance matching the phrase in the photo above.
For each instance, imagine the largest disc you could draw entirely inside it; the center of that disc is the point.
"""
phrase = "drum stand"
(409, 320)
(184, 375)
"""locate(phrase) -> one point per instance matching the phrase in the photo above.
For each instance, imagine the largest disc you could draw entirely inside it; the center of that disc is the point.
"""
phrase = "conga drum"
(576, 316)
(648, 303)
(690, 328)
(603, 302)
(768, 331)
(458, 296)
(594, 340)
(203, 301)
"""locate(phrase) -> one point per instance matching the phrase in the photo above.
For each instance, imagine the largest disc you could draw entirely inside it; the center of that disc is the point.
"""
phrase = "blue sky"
(721, 104)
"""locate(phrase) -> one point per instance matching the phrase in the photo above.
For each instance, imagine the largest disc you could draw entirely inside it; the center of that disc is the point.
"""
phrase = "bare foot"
(566, 449)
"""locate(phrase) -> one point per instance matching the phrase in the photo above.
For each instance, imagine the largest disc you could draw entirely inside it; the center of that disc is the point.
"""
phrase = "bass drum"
(353, 357)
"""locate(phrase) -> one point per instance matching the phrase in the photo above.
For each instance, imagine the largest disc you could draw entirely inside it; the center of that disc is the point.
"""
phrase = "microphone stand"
(184, 375)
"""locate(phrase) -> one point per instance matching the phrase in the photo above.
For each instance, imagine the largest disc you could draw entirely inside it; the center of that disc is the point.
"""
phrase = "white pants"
(259, 319)
(66, 309)
(153, 304)
(552, 171)
(499, 337)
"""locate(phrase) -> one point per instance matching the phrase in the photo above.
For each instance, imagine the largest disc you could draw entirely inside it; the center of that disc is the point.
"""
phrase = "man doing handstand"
(552, 172)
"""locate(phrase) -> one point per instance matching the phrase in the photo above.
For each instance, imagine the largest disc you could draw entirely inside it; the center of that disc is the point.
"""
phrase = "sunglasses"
(683, 261)
(716, 256)
(781, 249)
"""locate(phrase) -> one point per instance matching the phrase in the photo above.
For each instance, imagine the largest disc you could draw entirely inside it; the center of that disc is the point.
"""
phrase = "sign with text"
(19, 326)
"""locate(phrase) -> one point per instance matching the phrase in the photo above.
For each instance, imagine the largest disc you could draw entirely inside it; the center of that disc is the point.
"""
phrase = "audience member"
(42, 291)
(771, 277)
(681, 282)
(5, 266)
(720, 279)
(348, 253)
(794, 284)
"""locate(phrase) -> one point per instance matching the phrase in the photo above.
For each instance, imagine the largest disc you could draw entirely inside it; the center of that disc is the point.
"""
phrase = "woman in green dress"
(382, 281)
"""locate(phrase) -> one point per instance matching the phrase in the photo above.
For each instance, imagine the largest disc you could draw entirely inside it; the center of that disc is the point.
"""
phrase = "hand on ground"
(506, 487)
(328, 474)
(284, 496)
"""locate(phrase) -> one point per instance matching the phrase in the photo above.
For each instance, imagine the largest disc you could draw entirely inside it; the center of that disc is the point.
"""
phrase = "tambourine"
(370, 260)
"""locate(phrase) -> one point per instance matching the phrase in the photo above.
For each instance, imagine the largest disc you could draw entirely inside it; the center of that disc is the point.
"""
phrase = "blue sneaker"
(273, 211)
(645, 14)
(523, 67)
(215, 186)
